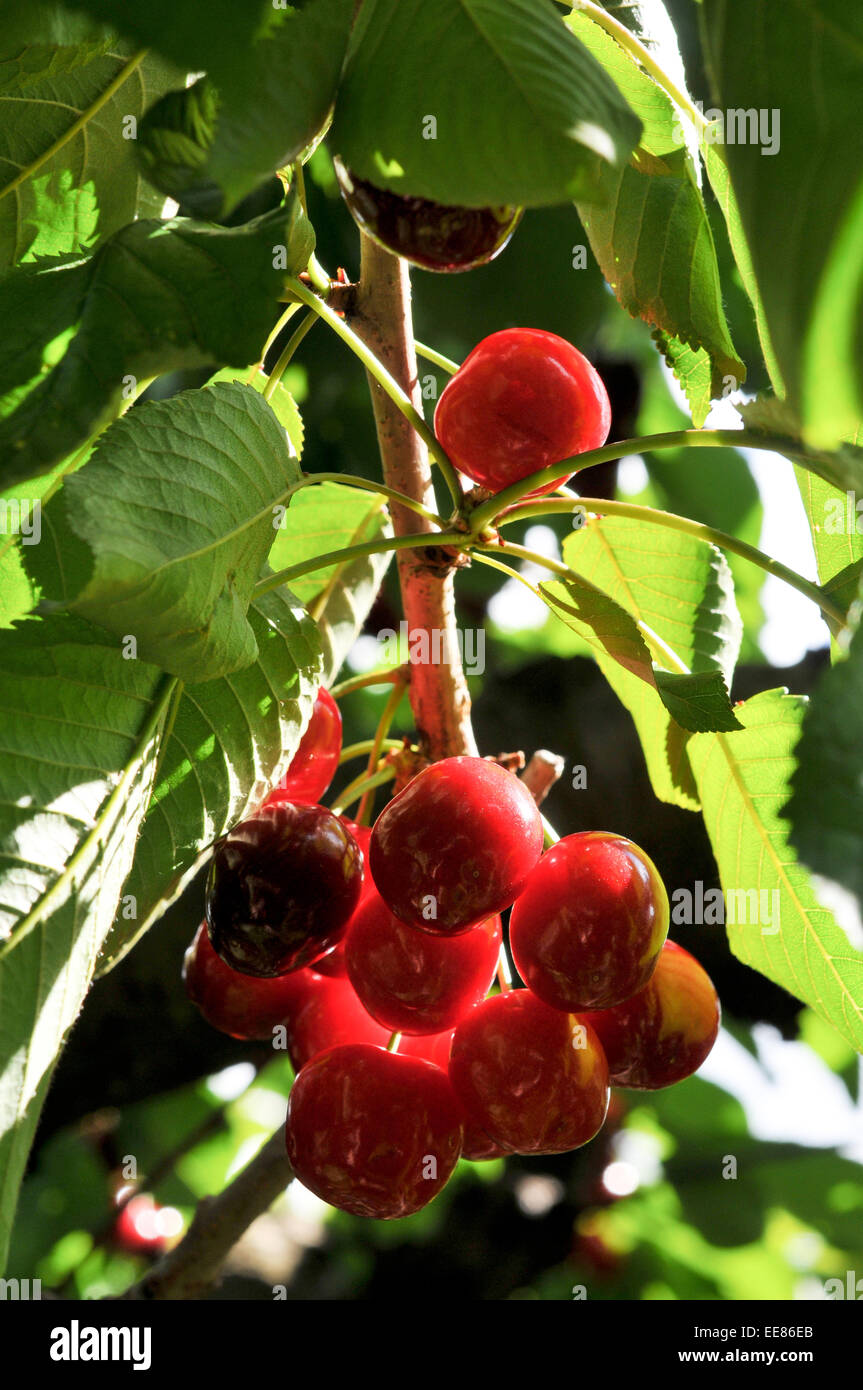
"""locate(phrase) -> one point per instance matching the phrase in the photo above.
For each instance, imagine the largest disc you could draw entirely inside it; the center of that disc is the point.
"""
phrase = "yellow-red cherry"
(665, 1032)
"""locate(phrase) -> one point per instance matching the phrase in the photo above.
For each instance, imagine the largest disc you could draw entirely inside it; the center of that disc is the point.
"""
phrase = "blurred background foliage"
(648, 1211)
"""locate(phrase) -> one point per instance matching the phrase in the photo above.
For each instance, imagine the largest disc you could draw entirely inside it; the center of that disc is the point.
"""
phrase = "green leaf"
(801, 206)
(652, 239)
(330, 516)
(718, 489)
(209, 147)
(696, 701)
(77, 758)
(68, 174)
(157, 296)
(177, 506)
(524, 114)
(676, 584)
(231, 740)
(743, 780)
(682, 589)
(825, 809)
(842, 467)
(282, 403)
(225, 36)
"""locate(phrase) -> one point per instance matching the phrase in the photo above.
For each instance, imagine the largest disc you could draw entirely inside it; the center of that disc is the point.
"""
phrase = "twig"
(541, 773)
(193, 1264)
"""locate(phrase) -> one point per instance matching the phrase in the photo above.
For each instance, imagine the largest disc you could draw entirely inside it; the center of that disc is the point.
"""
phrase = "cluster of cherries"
(346, 936)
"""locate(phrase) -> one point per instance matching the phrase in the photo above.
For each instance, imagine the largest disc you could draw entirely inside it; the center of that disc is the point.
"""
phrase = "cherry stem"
(432, 355)
(356, 788)
(673, 522)
(366, 485)
(385, 380)
(284, 319)
(354, 552)
(627, 40)
(362, 749)
(549, 834)
(488, 512)
(393, 701)
(347, 687)
(290, 348)
(393, 1044)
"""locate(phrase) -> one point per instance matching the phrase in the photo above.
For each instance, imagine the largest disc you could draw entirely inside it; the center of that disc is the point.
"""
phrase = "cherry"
(333, 963)
(314, 764)
(521, 400)
(325, 1012)
(240, 1005)
(663, 1034)
(138, 1228)
(588, 926)
(411, 981)
(435, 236)
(373, 1132)
(282, 888)
(456, 845)
(534, 1079)
(435, 1047)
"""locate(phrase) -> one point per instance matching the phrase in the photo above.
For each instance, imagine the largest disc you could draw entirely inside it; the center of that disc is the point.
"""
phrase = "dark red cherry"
(411, 981)
(456, 846)
(282, 887)
(240, 1005)
(314, 764)
(325, 1012)
(435, 236)
(522, 400)
(665, 1032)
(373, 1132)
(333, 963)
(588, 926)
(534, 1079)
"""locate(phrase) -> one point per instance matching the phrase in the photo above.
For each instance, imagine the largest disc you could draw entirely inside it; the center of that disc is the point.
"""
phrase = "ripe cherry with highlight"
(456, 846)
(588, 926)
(314, 764)
(665, 1032)
(522, 400)
(372, 1132)
(282, 887)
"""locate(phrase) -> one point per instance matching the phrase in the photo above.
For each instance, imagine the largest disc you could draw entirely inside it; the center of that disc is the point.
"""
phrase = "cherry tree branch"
(541, 773)
(438, 691)
(194, 1264)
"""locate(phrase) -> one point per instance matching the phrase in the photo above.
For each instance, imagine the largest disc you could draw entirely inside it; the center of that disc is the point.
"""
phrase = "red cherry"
(137, 1227)
(435, 1047)
(314, 764)
(456, 846)
(325, 1012)
(522, 400)
(373, 1132)
(282, 887)
(240, 1005)
(431, 1047)
(411, 981)
(333, 963)
(588, 926)
(435, 236)
(535, 1080)
(664, 1033)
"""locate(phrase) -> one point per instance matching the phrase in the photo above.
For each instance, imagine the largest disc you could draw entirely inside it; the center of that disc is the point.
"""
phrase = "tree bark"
(438, 689)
